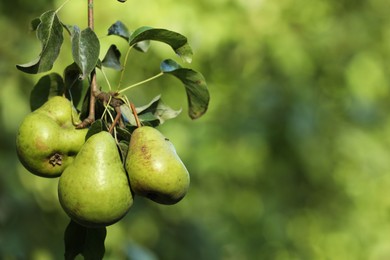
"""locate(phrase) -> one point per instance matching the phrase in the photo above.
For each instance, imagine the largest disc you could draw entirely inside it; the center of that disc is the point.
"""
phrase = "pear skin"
(154, 168)
(94, 189)
(47, 140)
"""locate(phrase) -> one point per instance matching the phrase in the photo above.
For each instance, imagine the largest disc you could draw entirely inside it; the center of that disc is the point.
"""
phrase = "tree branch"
(93, 85)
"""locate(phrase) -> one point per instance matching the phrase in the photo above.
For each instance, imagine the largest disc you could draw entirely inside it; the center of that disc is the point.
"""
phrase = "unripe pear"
(47, 140)
(94, 190)
(155, 170)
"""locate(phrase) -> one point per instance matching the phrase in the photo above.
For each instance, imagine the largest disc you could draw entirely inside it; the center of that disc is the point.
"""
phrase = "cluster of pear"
(95, 186)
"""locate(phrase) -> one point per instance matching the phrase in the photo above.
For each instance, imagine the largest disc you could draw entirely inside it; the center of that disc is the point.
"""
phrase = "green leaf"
(119, 29)
(85, 50)
(195, 85)
(49, 32)
(94, 243)
(157, 109)
(112, 58)
(74, 86)
(74, 239)
(86, 241)
(95, 128)
(155, 113)
(48, 86)
(177, 41)
(35, 23)
(123, 147)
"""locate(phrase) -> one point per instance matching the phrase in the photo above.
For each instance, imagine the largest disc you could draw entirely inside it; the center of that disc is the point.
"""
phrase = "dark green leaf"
(119, 29)
(177, 41)
(85, 49)
(112, 58)
(74, 239)
(195, 84)
(86, 241)
(35, 23)
(123, 148)
(74, 85)
(95, 128)
(49, 32)
(94, 243)
(48, 86)
(68, 28)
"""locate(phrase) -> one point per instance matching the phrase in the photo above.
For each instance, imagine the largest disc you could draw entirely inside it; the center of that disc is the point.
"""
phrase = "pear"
(155, 170)
(94, 189)
(47, 140)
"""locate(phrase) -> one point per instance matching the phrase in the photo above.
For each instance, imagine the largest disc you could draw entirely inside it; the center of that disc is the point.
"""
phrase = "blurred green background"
(290, 162)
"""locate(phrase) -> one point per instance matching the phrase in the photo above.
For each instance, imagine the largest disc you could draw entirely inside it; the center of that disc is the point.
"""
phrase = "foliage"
(296, 139)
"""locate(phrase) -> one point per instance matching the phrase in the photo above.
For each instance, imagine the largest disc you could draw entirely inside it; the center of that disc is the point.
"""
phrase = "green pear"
(155, 170)
(94, 190)
(47, 140)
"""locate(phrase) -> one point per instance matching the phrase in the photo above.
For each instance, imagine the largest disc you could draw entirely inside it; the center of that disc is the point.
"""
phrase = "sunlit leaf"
(195, 86)
(157, 109)
(85, 49)
(49, 32)
(48, 86)
(177, 41)
(112, 58)
(154, 113)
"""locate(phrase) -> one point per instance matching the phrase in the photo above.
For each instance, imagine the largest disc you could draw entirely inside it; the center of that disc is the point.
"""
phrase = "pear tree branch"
(93, 85)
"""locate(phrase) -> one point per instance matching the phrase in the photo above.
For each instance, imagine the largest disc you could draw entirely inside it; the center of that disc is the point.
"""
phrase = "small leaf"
(155, 113)
(68, 28)
(195, 85)
(112, 58)
(48, 86)
(142, 46)
(95, 128)
(177, 41)
(94, 243)
(86, 241)
(85, 50)
(123, 148)
(127, 114)
(157, 109)
(35, 23)
(49, 32)
(74, 239)
(74, 85)
(119, 29)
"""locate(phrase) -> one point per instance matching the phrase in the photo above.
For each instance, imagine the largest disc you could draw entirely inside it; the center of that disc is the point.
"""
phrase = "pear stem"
(135, 115)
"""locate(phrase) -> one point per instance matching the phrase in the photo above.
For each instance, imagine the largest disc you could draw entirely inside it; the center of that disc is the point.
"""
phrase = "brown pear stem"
(135, 114)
